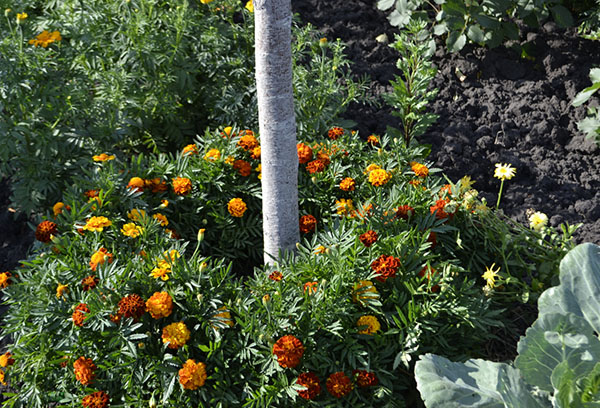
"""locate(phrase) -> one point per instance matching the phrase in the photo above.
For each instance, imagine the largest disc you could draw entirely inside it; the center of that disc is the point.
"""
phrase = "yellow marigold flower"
(136, 214)
(250, 6)
(103, 157)
(205, 1)
(161, 272)
(344, 206)
(97, 224)
(21, 17)
(192, 375)
(99, 257)
(538, 220)
(5, 279)
(223, 318)
(163, 204)
(6, 360)
(490, 275)
(182, 186)
(368, 325)
(348, 184)
(504, 171)
(371, 167)
(189, 150)
(136, 184)
(227, 131)
(236, 207)
(58, 208)
(162, 220)
(131, 230)
(364, 290)
(322, 41)
(256, 152)
(159, 305)
(320, 249)
(176, 335)
(419, 169)
(379, 177)
(172, 255)
(45, 38)
(61, 290)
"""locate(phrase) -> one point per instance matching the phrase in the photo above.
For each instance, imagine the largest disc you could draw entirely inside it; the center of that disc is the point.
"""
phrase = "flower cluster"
(368, 238)
(339, 384)
(80, 314)
(182, 186)
(97, 223)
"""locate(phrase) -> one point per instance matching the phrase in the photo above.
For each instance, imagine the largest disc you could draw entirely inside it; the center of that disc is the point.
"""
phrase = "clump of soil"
(493, 107)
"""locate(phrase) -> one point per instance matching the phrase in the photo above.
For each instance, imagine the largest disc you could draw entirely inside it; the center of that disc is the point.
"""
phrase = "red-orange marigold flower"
(98, 399)
(308, 223)
(365, 378)
(6, 359)
(310, 287)
(136, 184)
(247, 142)
(156, 185)
(348, 184)
(276, 276)
(305, 153)
(100, 257)
(368, 238)
(44, 230)
(311, 382)
(132, 306)
(385, 267)
(182, 186)
(192, 375)
(189, 150)
(419, 169)
(89, 282)
(91, 193)
(373, 140)
(315, 166)
(404, 211)
(289, 351)
(243, 167)
(324, 157)
(335, 132)
(438, 209)
(339, 384)
(80, 314)
(84, 370)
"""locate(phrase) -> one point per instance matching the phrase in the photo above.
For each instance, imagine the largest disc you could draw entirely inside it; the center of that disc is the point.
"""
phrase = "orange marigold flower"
(386, 267)
(131, 230)
(255, 154)
(438, 209)
(84, 370)
(45, 38)
(308, 223)
(44, 230)
(365, 378)
(324, 157)
(223, 318)
(159, 305)
(335, 132)
(311, 382)
(404, 211)
(371, 167)
(315, 166)
(364, 290)
(89, 282)
(379, 177)
(189, 150)
(373, 140)
(368, 238)
(339, 385)
(276, 276)
(5, 279)
(446, 189)
(97, 223)
(136, 184)
(193, 375)
(212, 155)
(428, 272)
(136, 214)
(79, 314)
(91, 193)
(100, 257)
(348, 184)
(243, 167)
(368, 325)
(176, 335)
(156, 185)
(182, 186)
(248, 142)
(103, 157)
(419, 169)
(61, 290)
(2, 378)
(305, 153)
(98, 399)
(132, 306)
(236, 207)
(6, 360)
(59, 207)
(289, 351)
(162, 220)
(310, 287)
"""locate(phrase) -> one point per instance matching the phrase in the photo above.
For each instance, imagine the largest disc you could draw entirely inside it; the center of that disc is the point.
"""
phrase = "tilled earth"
(502, 109)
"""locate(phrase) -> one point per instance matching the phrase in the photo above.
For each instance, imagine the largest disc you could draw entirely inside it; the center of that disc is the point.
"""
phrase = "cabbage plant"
(558, 362)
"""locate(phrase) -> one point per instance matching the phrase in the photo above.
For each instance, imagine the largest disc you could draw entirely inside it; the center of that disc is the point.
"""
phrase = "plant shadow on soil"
(493, 107)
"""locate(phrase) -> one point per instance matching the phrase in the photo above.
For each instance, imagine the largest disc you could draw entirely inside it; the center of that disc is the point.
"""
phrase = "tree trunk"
(277, 123)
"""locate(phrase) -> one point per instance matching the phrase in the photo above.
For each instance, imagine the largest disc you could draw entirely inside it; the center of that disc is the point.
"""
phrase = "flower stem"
(499, 194)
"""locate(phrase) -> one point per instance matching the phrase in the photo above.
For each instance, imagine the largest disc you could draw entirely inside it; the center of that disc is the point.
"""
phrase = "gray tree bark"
(277, 123)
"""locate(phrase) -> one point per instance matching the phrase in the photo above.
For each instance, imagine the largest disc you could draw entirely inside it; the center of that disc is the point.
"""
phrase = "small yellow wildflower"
(490, 275)
(504, 171)
(538, 220)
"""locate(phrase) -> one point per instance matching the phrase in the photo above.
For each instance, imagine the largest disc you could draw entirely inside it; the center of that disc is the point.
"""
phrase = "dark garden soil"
(506, 110)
